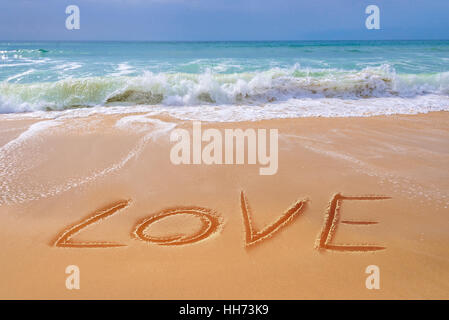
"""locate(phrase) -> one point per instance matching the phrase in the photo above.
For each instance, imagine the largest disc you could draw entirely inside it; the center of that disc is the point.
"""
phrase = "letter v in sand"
(253, 236)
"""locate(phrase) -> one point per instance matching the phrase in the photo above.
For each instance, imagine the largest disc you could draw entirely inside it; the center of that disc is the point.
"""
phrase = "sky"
(223, 20)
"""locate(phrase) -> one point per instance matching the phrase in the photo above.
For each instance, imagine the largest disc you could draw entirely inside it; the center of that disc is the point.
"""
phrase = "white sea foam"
(292, 108)
(275, 93)
(14, 165)
(11, 163)
(68, 66)
(20, 75)
(123, 69)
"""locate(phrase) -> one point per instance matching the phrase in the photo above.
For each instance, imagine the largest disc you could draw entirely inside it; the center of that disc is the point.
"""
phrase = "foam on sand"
(15, 160)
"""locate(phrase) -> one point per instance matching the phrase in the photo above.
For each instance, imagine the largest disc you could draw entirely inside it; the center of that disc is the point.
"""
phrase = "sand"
(85, 191)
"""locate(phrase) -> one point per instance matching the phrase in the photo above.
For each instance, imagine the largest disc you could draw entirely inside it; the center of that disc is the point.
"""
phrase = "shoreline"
(155, 111)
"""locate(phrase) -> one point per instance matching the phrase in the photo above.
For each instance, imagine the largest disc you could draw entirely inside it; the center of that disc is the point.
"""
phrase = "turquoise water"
(45, 76)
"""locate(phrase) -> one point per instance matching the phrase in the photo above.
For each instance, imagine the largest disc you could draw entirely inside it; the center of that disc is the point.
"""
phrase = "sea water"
(225, 81)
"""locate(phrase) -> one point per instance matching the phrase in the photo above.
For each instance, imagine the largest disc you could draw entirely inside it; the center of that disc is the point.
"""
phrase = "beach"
(224, 169)
(56, 172)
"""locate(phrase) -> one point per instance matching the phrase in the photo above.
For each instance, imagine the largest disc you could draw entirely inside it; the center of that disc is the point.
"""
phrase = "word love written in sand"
(211, 222)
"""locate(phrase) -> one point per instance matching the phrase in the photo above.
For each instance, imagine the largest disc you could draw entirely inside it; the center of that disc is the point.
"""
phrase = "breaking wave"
(274, 86)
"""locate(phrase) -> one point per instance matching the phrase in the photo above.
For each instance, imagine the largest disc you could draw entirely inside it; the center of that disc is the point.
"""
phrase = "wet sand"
(83, 192)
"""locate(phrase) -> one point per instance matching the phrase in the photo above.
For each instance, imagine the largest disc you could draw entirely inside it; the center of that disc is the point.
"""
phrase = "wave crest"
(182, 89)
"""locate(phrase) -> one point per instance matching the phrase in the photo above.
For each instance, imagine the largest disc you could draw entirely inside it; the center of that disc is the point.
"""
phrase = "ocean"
(225, 81)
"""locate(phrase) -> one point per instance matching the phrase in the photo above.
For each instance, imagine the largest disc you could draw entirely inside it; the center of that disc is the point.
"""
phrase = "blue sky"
(193, 20)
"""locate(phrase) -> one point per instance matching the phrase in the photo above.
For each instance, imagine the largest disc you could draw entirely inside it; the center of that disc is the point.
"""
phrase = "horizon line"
(268, 40)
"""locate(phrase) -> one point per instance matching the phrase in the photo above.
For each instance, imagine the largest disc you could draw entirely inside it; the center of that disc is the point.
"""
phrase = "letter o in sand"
(210, 223)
